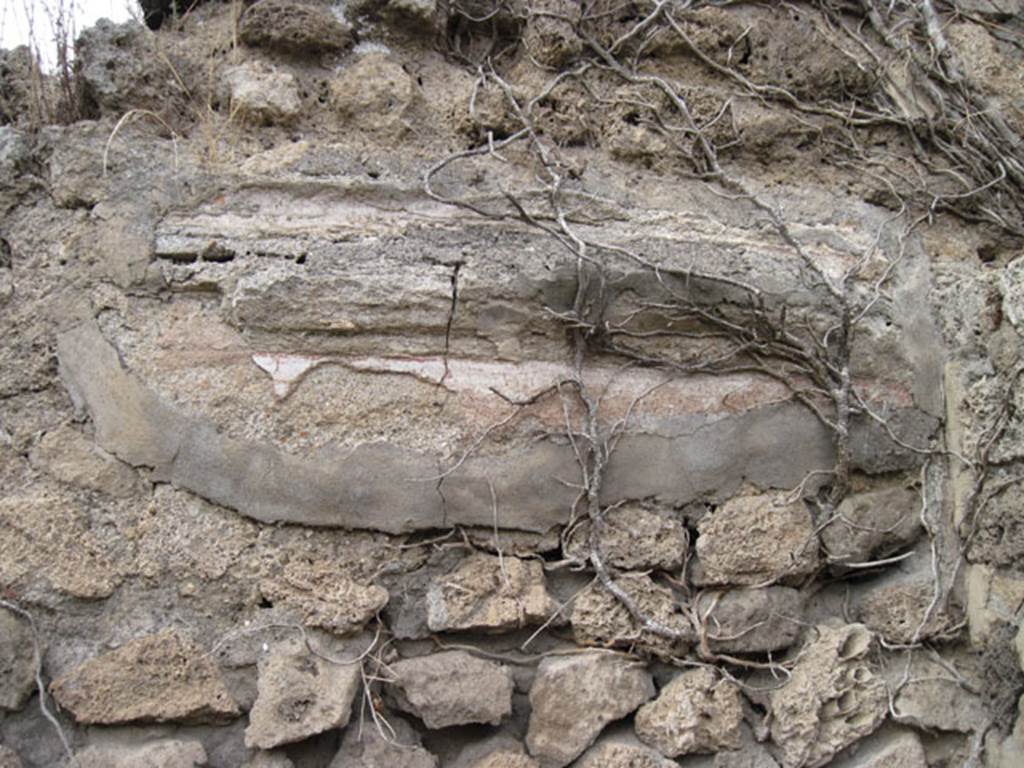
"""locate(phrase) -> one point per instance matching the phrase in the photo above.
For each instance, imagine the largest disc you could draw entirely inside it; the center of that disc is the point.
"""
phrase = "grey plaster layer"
(385, 487)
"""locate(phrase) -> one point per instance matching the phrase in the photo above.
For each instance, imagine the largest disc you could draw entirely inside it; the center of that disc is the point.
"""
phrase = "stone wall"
(508, 384)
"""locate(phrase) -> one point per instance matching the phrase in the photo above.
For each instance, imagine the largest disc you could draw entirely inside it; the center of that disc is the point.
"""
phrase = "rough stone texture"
(375, 93)
(489, 593)
(897, 608)
(9, 758)
(499, 750)
(506, 760)
(299, 695)
(832, 698)
(160, 678)
(367, 748)
(166, 753)
(754, 539)
(931, 700)
(17, 661)
(752, 620)
(451, 688)
(888, 748)
(698, 711)
(622, 750)
(550, 35)
(72, 458)
(33, 528)
(275, 759)
(750, 755)
(635, 538)
(326, 599)
(261, 94)
(293, 27)
(574, 697)
(873, 525)
(599, 618)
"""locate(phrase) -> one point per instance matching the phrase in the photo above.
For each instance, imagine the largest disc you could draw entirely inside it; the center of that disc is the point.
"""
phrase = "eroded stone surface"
(164, 753)
(72, 458)
(600, 618)
(489, 593)
(293, 27)
(326, 599)
(751, 620)
(9, 758)
(17, 661)
(622, 750)
(901, 610)
(574, 697)
(452, 688)
(368, 748)
(756, 539)
(698, 711)
(299, 695)
(261, 94)
(46, 540)
(160, 678)
(873, 524)
(635, 538)
(889, 748)
(832, 698)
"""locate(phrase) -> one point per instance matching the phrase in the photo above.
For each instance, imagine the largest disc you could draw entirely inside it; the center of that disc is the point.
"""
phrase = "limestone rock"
(574, 697)
(46, 541)
(17, 661)
(622, 750)
(931, 701)
(752, 539)
(489, 593)
(367, 748)
(506, 760)
(452, 688)
(886, 749)
(165, 753)
(872, 525)
(375, 94)
(261, 94)
(634, 538)
(599, 618)
(70, 457)
(9, 758)
(831, 700)
(293, 27)
(752, 620)
(299, 695)
(327, 600)
(159, 678)
(698, 711)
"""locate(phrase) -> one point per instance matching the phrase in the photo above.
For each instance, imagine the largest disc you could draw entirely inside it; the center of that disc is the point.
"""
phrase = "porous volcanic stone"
(698, 711)
(831, 700)
(752, 539)
(634, 538)
(293, 27)
(574, 697)
(327, 599)
(299, 695)
(17, 661)
(160, 678)
(601, 619)
(490, 593)
(452, 688)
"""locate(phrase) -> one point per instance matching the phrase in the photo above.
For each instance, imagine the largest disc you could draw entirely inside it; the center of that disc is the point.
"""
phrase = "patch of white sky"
(37, 23)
